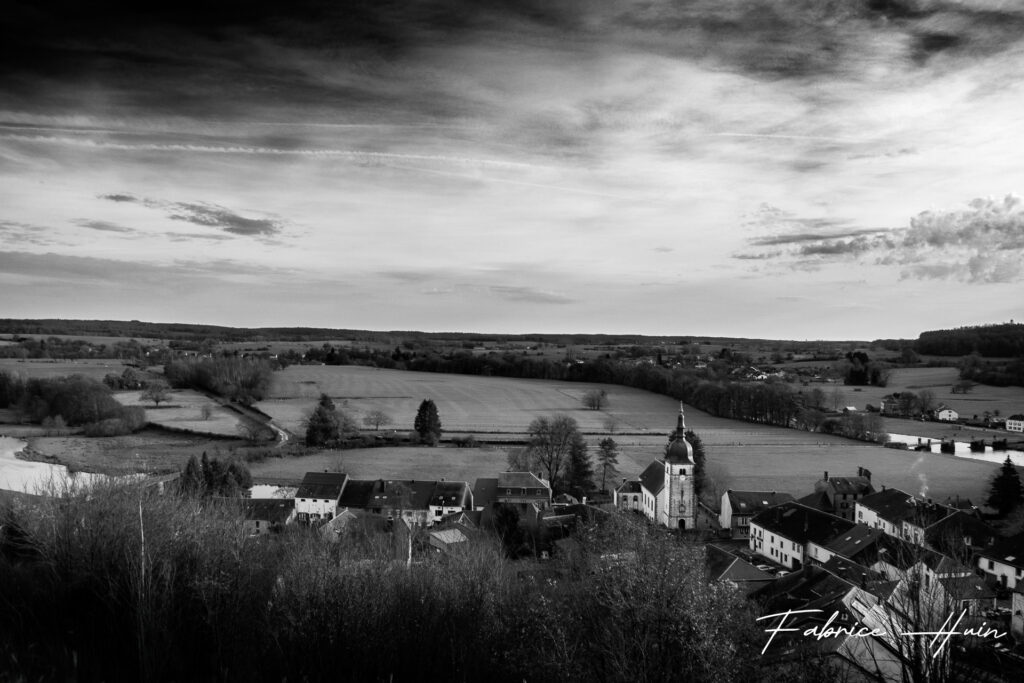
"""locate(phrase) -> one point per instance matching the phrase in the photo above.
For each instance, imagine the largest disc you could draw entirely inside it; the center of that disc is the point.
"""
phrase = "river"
(963, 449)
(35, 477)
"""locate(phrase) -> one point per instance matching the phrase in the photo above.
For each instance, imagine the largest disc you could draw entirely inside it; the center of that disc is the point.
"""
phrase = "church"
(664, 492)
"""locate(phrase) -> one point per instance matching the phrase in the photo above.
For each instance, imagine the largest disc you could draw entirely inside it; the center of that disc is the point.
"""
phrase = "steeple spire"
(681, 422)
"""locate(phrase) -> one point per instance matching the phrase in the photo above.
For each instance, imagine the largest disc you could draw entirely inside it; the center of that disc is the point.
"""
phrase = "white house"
(317, 497)
(1004, 561)
(1015, 423)
(944, 414)
(784, 533)
(627, 495)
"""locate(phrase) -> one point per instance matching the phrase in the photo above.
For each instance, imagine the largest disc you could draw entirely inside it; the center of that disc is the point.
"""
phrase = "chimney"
(860, 471)
(826, 475)
(863, 580)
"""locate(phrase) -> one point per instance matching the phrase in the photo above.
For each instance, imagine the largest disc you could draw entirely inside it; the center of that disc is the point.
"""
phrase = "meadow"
(744, 455)
(96, 368)
(981, 398)
(183, 410)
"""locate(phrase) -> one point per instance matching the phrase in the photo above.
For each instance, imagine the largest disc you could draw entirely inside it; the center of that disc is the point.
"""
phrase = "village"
(853, 551)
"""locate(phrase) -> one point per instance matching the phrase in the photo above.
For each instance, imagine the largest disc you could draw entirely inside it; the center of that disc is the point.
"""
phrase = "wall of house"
(998, 570)
(776, 548)
(322, 508)
(819, 553)
(436, 512)
(725, 516)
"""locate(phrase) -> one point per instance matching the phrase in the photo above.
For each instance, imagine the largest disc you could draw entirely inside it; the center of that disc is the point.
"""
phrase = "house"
(739, 506)
(667, 496)
(885, 510)
(946, 414)
(1004, 561)
(838, 495)
(318, 494)
(785, 533)
(626, 495)
(726, 566)
(343, 522)
(845, 546)
(265, 515)
(521, 489)
(1015, 423)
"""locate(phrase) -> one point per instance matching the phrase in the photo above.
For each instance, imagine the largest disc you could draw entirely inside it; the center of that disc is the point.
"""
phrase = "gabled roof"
(485, 492)
(802, 524)
(817, 500)
(405, 494)
(523, 480)
(630, 486)
(851, 485)
(853, 541)
(1017, 416)
(322, 485)
(1008, 550)
(724, 566)
(272, 510)
(448, 536)
(653, 478)
(892, 505)
(968, 587)
(357, 494)
(752, 502)
(451, 494)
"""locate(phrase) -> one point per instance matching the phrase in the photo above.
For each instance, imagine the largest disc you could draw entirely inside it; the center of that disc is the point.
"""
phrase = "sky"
(796, 169)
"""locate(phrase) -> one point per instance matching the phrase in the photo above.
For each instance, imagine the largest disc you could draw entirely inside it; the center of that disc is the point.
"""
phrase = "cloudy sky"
(806, 169)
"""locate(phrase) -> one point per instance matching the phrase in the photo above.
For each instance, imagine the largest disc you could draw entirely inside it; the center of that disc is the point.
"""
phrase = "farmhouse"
(317, 497)
(264, 515)
(784, 533)
(667, 496)
(626, 495)
(739, 506)
(837, 495)
(1015, 423)
(1004, 561)
(946, 414)
(522, 489)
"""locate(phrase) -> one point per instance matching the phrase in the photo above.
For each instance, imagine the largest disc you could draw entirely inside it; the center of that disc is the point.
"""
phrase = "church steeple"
(681, 422)
(679, 449)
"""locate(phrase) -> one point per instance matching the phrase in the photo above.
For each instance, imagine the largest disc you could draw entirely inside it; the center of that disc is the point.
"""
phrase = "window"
(508, 492)
(991, 564)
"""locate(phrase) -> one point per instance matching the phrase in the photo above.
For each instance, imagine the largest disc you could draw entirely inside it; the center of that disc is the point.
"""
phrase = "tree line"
(245, 380)
(1004, 340)
(78, 401)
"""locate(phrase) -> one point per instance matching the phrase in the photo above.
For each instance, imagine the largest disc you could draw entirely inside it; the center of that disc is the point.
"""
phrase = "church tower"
(681, 504)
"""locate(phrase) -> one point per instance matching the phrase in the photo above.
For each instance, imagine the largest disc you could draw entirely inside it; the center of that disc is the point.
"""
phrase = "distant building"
(318, 494)
(626, 495)
(945, 414)
(265, 515)
(521, 489)
(1015, 423)
(838, 495)
(739, 506)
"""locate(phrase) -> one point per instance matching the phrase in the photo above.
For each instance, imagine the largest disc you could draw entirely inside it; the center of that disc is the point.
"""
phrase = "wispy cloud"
(205, 214)
(105, 226)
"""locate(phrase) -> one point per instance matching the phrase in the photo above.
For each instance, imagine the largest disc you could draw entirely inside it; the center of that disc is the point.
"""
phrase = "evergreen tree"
(699, 459)
(428, 424)
(580, 472)
(1006, 493)
(322, 426)
(191, 481)
(608, 456)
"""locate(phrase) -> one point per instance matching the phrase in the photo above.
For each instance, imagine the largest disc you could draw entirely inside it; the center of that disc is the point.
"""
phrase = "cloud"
(104, 226)
(219, 217)
(530, 294)
(14, 232)
(798, 238)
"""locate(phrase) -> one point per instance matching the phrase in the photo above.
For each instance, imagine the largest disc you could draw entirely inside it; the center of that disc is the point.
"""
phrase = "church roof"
(679, 449)
(653, 478)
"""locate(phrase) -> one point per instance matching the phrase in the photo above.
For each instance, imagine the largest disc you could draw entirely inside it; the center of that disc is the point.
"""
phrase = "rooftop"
(800, 523)
(322, 485)
(752, 502)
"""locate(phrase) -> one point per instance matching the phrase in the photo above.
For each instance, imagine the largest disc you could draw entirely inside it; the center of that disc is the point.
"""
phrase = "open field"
(464, 403)
(183, 410)
(146, 451)
(1007, 400)
(90, 338)
(97, 368)
(755, 456)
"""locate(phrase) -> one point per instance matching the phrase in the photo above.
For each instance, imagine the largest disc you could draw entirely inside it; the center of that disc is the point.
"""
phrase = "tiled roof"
(451, 494)
(273, 510)
(527, 480)
(801, 524)
(724, 566)
(968, 587)
(630, 486)
(851, 485)
(485, 492)
(1008, 550)
(405, 494)
(752, 502)
(817, 500)
(322, 485)
(653, 478)
(357, 494)
(892, 505)
(853, 541)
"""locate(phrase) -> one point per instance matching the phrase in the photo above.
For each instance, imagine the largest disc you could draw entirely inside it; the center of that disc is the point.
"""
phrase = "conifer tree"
(1006, 493)
(608, 456)
(428, 424)
(322, 426)
(580, 470)
(699, 459)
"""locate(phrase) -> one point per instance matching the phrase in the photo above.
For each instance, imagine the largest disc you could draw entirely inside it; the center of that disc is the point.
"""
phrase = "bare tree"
(551, 440)
(611, 425)
(376, 418)
(206, 411)
(157, 392)
(595, 399)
